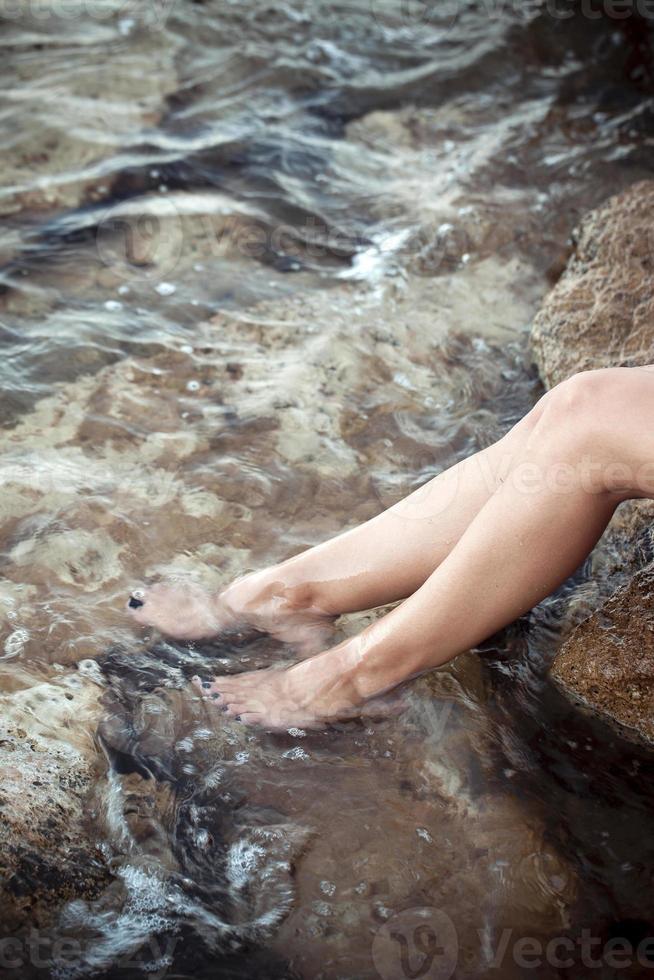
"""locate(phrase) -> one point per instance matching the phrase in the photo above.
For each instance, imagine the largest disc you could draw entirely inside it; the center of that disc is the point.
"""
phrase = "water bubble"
(243, 861)
(296, 753)
(322, 908)
(165, 288)
(113, 305)
(202, 733)
(193, 386)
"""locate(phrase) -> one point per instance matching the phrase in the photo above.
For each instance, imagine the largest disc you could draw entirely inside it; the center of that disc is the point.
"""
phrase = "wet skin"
(469, 553)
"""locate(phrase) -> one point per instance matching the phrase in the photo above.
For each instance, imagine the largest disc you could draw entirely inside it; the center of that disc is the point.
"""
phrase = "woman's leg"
(592, 446)
(383, 560)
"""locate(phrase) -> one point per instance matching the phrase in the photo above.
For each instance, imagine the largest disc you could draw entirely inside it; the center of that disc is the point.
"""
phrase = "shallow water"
(394, 190)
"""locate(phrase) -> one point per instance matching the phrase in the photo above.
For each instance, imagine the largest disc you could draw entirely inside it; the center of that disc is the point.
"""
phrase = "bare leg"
(378, 562)
(591, 448)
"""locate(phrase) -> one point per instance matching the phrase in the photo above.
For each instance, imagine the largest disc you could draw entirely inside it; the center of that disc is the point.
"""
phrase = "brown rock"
(47, 857)
(601, 314)
(601, 311)
(608, 662)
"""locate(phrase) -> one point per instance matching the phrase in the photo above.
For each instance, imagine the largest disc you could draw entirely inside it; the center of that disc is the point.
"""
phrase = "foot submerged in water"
(187, 612)
(311, 694)
(183, 612)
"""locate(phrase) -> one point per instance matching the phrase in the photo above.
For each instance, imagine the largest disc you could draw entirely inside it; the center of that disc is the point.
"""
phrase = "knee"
(597, 423)
(572, 411)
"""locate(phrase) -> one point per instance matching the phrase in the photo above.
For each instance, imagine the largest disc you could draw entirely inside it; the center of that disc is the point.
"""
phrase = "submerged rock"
(49, 766)
(601, 314)
(608, 662)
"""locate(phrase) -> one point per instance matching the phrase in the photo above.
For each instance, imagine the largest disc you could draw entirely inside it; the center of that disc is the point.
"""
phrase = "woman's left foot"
(336, 685)
(310, 694)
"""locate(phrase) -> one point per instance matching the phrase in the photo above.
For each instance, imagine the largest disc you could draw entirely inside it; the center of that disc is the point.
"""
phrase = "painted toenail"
(134, 603)
(237, 717)
(215, 696)
(206, 684)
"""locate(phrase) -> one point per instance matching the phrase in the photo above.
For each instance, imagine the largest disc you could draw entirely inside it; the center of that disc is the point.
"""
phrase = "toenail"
(134, 603)
(206, 684)
(237, 717)
(215, 696)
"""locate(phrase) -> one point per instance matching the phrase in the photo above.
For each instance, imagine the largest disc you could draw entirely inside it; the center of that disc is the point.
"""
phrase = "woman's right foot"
(187, 612)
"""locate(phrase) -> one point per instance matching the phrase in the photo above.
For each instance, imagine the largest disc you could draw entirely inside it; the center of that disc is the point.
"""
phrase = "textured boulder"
(601, 311)
(608, 662)
(601, 314)
(49, 766)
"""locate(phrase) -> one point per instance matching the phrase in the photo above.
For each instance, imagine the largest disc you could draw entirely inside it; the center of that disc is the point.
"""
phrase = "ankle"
(380, 661)
(257, 591)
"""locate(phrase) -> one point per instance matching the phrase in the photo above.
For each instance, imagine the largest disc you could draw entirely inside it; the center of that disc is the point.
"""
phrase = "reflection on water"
(265, 270)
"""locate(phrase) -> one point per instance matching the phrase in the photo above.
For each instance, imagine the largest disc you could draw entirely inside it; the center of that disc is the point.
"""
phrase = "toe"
(228, 700)
(246, 704)
(137, 612)
(236, 709)
(250, 718)
(234, 681)
(205, 688)
(236, 684)
(217, 690)
(226, 683)
(144, 605)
